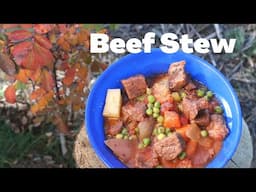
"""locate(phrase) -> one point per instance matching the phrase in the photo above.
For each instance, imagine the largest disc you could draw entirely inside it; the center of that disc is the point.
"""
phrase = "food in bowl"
(168, 120)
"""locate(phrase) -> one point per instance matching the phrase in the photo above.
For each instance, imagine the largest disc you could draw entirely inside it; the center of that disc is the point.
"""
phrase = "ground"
(40, 146)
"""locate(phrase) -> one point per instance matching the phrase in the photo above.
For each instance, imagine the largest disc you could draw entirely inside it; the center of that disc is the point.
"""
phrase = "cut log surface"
(85, 156)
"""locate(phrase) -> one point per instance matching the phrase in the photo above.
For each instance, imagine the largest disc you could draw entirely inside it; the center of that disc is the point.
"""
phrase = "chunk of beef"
(146, 127)
(170, 147)
(146, 158)
(191, 107)
(177, 75)
(113, 126)
(217, 128)
(186, 163)
(135, 86)
(201, 157)
(124, 149)
(202, 103)
(133, 111)
(190, 86)
(160, 88)
(203, 118)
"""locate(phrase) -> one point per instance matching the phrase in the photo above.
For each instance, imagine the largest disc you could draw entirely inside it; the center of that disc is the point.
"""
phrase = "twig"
(221, 66)
(218, 30)
(212, 59)
(235, 69)
(163, 28)
(195, 31)
(63, 144)
(179, 29)
(211, 35)
(244, 80)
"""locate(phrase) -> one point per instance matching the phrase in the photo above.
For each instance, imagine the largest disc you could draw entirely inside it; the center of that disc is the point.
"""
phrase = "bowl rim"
(230, 89)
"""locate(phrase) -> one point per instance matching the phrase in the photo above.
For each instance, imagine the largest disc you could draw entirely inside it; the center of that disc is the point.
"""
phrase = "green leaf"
(3, 37)
(238, 34)
(95, 27)
(113, 27)
(20, 85)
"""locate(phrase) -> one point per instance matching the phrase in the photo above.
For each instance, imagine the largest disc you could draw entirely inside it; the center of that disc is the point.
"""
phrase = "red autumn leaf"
(29, 62)
(43, 41)
(19, 35)
(10, 94)
(34, 75)
(44, 57)
(20, 51)
(69, 77)
(47, 81)
(37, 57)
(7, 65)
(43, 28)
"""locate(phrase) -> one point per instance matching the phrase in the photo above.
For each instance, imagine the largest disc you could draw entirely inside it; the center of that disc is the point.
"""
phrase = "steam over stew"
(168, 120)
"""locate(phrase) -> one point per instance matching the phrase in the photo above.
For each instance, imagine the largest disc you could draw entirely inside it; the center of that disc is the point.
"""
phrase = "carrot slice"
(191, 148)
(171, 119)
(206, 142)
(182, 131)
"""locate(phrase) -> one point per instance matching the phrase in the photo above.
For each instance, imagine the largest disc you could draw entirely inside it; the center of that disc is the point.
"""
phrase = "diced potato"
(112, 108)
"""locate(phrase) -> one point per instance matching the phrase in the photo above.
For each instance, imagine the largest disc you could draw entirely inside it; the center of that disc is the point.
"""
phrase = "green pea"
(167, 130)
(119, 136)
(146, 142)
(218, 109)
(160, 130)
(200, 92)
(182, 155)
(151, 99)
(156, 110)
(126, 137)
(154, 132)
(149, 111)
(155, 115)
(160, 119)
(183, 94)
(150, 105)
(169, 134)
(160, 136)
(209, 94)
(176, 96)
(124, 131)
(157, 104)
(204, 133)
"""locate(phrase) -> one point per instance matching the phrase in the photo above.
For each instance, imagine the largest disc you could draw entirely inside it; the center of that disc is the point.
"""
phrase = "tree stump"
(85, 156)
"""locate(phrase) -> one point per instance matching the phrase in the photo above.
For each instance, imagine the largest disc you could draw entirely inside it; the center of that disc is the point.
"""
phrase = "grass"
(15, 148)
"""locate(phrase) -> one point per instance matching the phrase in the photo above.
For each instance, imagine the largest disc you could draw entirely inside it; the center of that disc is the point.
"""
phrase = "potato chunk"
(113, 103)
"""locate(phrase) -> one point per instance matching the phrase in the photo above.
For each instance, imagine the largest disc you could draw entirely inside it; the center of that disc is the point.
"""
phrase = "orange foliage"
(38, 52)
(10, 94)
(69, 77)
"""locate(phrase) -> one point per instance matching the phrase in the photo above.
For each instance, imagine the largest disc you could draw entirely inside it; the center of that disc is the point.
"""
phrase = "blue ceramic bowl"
(154, 63)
